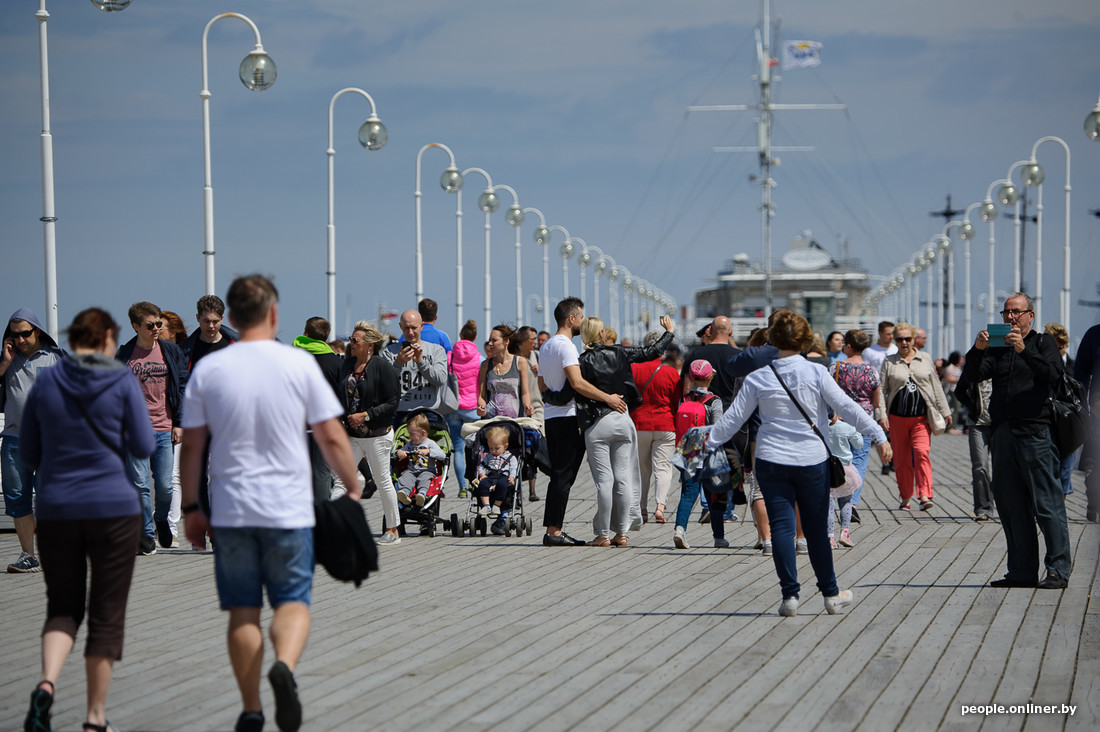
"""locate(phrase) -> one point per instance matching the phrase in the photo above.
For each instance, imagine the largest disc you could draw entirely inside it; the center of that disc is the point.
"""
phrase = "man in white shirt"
(876, 353)
(261, 489)
(559, 380)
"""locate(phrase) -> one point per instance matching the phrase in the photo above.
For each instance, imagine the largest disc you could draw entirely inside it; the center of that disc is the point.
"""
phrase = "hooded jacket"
(48, 344)
(464, 362)
(80, 474)
(178, 372)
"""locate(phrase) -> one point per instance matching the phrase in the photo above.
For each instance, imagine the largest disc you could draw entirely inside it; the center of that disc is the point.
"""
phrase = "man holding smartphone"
(1026, 487)
(421, 367)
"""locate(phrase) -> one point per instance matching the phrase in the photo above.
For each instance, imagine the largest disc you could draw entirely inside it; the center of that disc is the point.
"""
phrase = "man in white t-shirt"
(559, 380)
(261, 488)
(876, 353)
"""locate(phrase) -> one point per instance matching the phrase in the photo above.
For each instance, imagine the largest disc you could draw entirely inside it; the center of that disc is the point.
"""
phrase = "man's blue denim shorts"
(247, 559)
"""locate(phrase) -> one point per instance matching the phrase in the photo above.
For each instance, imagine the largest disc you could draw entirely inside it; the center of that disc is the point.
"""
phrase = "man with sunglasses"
(161, 369)
(27, 350)
(1026, 486)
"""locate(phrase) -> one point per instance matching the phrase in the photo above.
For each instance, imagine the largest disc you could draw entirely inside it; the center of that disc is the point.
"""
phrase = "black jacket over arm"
(608, 368)
(1021, 381)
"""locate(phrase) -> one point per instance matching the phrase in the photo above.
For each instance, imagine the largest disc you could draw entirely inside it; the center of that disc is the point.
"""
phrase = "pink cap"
(701, 369)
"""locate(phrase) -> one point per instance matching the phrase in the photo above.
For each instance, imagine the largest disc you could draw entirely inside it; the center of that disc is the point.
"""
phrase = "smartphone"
(997, 333)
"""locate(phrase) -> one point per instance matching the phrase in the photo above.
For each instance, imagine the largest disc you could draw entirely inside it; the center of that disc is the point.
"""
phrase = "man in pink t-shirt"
(161, 369)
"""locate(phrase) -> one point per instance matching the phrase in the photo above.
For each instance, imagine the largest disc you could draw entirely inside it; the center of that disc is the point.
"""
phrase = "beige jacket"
(895, 372)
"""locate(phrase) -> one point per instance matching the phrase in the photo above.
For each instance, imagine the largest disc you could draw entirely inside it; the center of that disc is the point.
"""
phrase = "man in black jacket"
(1026, 487)
(162, 370)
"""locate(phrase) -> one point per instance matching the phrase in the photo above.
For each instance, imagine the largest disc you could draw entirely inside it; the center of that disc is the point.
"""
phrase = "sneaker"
(731, 517)
(498, 527)
(288, 709)
(982, 517)
(855, 516)
(766, 549)
(388, 538)
(841, 599)
(420, 498)
(926, 504)
(705, 518)
(164, 534)
(846, 538)
(832, 542)
(678, 539)
(403, 496)
(636, 524)
(148, 547)
(758, 545)
(483, 509)
(789, 607)
(721, 544)
(904, 506)
(463, 494)
(1053, 582)
(801, 547)
(25, 564)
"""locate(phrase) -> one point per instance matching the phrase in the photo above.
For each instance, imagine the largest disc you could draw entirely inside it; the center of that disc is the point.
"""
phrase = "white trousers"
(655, 463)
(377, 452)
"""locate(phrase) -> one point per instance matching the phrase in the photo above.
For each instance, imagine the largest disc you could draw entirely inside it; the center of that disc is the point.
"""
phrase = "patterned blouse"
(858, 380)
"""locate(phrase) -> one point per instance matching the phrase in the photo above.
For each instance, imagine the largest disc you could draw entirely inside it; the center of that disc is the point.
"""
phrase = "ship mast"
(764, 149)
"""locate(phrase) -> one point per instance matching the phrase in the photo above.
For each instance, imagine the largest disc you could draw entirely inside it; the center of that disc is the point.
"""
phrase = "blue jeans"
(691, 489)
(455, 420)
(807, 486)
(248, 559)
(859, 459)
(19, 480)
(157, 471)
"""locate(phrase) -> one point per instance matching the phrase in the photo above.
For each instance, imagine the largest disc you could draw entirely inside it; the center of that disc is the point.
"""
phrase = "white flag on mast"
(801, 54)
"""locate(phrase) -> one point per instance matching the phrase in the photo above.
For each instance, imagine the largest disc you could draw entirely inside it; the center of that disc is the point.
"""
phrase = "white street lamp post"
(542, 238)
(1033, 176)
(588, 256)
(49, 217)
(565, 251)
(947, 330)
(966, 233)
(989, 213)
(1009, 195)
(488, 203)
(515, 216)
(257, 72)
(930, 255)
(538, 308)
(372, 136)
(450, 182)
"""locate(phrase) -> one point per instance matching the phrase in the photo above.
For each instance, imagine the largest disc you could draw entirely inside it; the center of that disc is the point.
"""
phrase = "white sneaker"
(842, 599)
(419, 498)
(766, 549)
(388, 538)
(801, 547)
(678, 539)
(403, 497)
(789, 607)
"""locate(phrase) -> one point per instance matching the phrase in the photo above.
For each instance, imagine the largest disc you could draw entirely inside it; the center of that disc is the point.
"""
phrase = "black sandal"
(105, 727)
(38, 717)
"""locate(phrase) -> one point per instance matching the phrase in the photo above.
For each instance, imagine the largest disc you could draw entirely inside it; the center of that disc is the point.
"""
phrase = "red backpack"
(692, 412)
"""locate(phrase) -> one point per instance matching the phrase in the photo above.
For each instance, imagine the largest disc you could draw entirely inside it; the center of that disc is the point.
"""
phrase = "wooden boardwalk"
(499, 633)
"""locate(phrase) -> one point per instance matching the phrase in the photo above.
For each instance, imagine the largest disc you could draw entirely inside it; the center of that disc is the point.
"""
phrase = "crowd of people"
(107, 447)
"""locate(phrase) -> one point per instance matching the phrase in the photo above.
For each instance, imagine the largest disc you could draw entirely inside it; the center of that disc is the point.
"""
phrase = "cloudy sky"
(578, 106)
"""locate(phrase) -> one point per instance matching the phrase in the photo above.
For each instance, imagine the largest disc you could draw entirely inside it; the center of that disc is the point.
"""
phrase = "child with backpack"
(699, 408)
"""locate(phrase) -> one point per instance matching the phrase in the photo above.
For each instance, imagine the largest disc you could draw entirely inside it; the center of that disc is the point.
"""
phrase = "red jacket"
(656, 414)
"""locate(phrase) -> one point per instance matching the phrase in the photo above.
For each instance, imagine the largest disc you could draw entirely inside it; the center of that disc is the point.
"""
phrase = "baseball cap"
(701, 369)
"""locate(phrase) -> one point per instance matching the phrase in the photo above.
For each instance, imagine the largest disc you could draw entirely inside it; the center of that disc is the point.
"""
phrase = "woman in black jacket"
(370, 391)
(609, 437)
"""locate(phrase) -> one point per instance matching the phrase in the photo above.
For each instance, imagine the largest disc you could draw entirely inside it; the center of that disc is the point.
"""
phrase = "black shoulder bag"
(836, 468)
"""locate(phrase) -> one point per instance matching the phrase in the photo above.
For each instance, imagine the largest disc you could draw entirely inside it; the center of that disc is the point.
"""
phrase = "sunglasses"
(154, 326)
(904, 340)
(22, 334)
(356, 340)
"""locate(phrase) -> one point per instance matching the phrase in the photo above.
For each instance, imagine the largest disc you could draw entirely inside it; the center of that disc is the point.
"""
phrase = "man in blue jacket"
(161, 369)
(27, 349)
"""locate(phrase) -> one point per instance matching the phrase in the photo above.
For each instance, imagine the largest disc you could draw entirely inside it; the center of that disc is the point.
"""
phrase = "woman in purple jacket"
(82, 418)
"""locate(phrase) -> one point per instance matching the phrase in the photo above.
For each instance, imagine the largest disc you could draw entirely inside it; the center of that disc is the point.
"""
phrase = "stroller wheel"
(530, 525)
(456, 526)
(431, 529)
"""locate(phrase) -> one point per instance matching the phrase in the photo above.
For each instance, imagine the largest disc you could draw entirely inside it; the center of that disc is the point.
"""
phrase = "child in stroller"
(497, 470)
(421, 492)
(420, 454)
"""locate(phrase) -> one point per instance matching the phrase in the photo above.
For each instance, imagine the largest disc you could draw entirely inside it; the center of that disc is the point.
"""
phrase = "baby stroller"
(524, 444)
(426, 517)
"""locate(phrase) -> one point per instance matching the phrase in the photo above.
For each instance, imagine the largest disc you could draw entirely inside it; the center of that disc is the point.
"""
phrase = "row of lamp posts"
(258, 72)
(1007, 194)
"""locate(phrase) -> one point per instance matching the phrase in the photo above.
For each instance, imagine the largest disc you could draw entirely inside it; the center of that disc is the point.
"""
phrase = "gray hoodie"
(22, 372)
